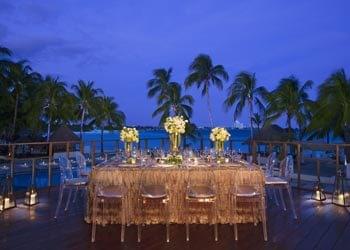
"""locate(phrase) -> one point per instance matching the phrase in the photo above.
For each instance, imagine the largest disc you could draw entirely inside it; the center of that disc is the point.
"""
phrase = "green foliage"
(203, 74)
(169, 96)
(291, 99)
(107, 114)
(29, 102)
(244, 92)
(331, 112)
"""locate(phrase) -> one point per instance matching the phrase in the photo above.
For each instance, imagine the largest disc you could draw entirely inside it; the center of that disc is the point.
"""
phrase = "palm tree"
(158, 86)
(174, 103)
(204, 74)
(290, 98)
(242, 92)
(108, 115)
(5, 51)
(53, 94)
(86, 96)
(331, 111)
(19, 75)
(257, 120)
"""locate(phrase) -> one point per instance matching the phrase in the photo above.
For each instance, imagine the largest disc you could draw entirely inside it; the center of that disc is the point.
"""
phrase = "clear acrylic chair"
(112, 195)
(201, 189)
(283, 181)
(83, 171)
(254, 195)
(153, 195)
(68, 181)
(270, 165)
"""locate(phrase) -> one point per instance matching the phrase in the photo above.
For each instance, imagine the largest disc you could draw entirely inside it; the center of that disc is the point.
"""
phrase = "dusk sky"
(117, 43)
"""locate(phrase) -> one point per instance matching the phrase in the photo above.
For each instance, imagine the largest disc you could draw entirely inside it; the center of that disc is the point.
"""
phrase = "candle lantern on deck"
(8, 199)
(318, 193)
(341, 193)
(31, 197)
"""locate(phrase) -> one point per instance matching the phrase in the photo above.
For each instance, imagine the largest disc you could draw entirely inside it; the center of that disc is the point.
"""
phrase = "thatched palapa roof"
(64, 133)
(271, 133)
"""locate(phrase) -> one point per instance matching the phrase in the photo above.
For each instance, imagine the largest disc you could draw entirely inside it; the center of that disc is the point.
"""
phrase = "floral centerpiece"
(219, 136)
(175, 126)
(129, 136)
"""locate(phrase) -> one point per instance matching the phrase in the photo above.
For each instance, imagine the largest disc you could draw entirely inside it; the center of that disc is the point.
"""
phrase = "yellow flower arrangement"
(219, 134)
(129, 135)
(176, 124)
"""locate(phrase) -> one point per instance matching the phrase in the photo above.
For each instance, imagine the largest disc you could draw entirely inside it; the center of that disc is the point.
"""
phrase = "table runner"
(225, 176)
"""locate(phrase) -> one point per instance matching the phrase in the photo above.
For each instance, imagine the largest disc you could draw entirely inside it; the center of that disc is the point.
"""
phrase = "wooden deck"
(320, 226)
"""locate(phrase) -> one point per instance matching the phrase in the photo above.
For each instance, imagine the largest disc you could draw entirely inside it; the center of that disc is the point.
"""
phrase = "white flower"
(175, 124)
(129, 135)
(219, 134)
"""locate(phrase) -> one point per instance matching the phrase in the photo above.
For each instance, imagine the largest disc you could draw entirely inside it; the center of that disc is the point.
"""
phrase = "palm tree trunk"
(15, 116)
(289, 122)
(347, 141)
(209, 110)
(102, 130)
(82, 123)
(251, 124)
(251, 119)
(48, 129)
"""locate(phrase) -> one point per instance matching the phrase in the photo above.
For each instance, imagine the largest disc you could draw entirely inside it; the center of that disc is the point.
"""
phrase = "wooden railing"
(298, 150)
(47, 150)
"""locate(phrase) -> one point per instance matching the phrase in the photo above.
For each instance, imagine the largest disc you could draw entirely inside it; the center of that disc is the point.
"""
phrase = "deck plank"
(321, 226)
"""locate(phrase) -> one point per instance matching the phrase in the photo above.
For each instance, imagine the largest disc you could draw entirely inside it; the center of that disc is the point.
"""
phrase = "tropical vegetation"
(244, 92)
(204, 74)
(290, 99)
(33, 105)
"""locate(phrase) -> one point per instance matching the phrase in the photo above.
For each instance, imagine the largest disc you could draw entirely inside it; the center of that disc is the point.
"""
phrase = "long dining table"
(225, 176)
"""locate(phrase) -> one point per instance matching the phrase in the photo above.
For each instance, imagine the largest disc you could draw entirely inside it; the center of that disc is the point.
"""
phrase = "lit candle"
(7, 203)
(318, 195)
(341, 199)
(32, 199)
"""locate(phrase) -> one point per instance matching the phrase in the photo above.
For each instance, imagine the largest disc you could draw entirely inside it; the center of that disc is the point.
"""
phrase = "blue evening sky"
(118, 43)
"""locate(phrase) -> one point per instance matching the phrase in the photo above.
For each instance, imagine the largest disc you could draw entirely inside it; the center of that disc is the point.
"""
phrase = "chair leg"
(168, 222)
(94, 215)
(122, 234)
(290, 194)
(75, 195)
(235, 222)
(275, 197)
(187, 221)
(167, 232)
(214, 220)
(139, 232)
(123, 211)
(252, 206)
(68, 200)
(263, 216)
(187, 232)
(282, 199)
(236, 231)
(60, 196)
(140, 209)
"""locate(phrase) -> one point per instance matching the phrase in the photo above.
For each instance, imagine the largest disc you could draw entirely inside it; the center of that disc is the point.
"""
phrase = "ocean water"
(152, 139)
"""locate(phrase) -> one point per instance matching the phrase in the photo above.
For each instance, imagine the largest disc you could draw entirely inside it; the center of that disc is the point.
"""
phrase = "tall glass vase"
(128, 149)
(219, 147)
(175, 140)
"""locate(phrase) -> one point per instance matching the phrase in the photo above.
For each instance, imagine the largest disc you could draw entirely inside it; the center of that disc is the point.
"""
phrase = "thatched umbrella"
(64, 133)
(271, 133)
